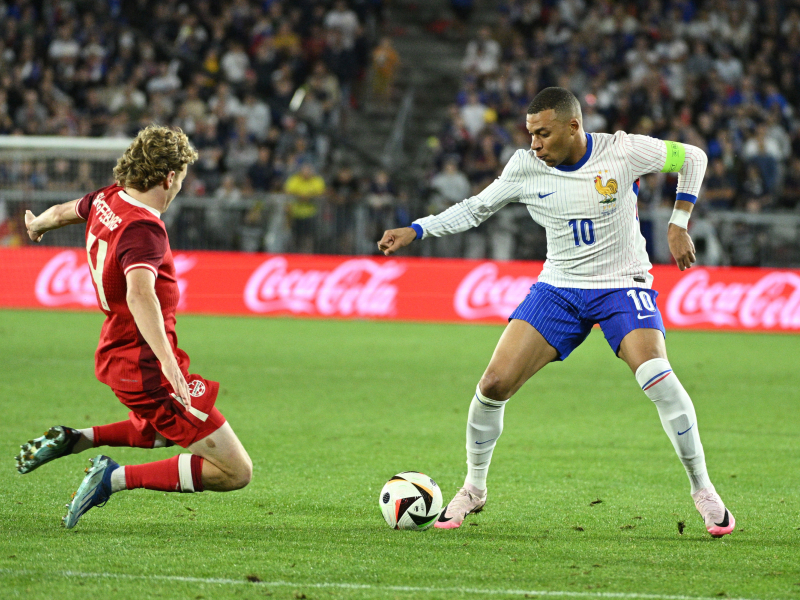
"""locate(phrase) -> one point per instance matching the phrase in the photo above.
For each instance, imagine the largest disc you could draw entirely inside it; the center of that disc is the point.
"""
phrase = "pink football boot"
(718, 519)
(468, 501)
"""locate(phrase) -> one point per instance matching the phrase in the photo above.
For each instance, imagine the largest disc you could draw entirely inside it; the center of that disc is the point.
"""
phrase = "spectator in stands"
(321, 101)
(286, 42)
(257, 116)
(241, 152)
(385, 62)
(381, 198)
(262, 174)
(755, 194)
(483, 55)
(342, 62)
(790, 197)
(482, 162)
(235, 64)
(720, 186)
(344, 21)
(219, 218)
(32, 115)
(448, 187)
(164, 81)
(345, 193)
(307, 189)
(764, 152)
(473, 114)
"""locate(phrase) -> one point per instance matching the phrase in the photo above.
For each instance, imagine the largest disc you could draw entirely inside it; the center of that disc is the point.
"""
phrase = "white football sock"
(484, 426)
(86, 441)
(118, 480)
(678, 418)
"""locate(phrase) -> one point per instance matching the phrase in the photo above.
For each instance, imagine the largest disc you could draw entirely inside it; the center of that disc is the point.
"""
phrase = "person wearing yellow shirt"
(305, 186)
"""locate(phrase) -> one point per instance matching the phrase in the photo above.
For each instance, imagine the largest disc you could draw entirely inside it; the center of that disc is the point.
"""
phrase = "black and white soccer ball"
(410, 500)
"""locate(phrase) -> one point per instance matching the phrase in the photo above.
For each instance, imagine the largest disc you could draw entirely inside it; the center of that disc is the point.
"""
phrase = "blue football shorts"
(565, 316)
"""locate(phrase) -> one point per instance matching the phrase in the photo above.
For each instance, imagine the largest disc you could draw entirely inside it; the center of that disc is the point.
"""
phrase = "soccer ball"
(410, 500)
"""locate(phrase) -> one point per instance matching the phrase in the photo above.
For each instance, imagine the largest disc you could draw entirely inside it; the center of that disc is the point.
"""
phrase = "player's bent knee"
(242, 474)
(236, 473)
(495, 387)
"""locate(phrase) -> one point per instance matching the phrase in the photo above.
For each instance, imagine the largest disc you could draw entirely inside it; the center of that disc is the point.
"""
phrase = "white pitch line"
(363, 586)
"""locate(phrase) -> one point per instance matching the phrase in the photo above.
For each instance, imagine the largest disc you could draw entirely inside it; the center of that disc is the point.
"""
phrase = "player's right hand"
(176, 379)
(394, 239)
(681, 246)
(34, 235)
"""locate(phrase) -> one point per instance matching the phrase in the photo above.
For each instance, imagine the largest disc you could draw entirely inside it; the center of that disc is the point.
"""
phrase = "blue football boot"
(56, 442)
(95, 489)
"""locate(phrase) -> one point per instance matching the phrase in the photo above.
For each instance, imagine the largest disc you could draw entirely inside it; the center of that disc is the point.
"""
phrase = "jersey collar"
(582, 161)
(130, 200)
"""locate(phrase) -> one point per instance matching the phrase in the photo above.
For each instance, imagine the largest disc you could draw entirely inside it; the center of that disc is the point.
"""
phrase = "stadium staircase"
(431, 54)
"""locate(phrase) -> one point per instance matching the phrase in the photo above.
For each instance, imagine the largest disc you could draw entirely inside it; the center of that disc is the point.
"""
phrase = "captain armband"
(676, 154)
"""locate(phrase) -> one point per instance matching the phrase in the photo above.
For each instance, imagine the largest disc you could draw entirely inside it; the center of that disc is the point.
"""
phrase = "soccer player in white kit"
(583, 189)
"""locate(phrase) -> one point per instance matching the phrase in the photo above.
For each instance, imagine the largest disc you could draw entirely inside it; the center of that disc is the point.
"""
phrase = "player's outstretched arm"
(146, 310)
(53, 218)
(394, 239)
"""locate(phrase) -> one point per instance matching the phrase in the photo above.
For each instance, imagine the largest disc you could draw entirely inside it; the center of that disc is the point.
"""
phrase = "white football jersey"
(587, 209)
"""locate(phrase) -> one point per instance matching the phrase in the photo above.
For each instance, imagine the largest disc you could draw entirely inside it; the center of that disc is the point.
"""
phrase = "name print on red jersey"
(104, 213)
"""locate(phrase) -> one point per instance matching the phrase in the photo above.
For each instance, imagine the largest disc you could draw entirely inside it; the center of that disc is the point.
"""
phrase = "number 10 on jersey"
(583, 231)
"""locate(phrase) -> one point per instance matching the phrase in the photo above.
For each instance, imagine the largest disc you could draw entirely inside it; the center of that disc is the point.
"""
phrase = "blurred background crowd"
(721, 75)
(268, 91)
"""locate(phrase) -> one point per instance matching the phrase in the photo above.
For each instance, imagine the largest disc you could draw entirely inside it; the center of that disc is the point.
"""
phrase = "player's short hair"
(561, 100)
(152, 155)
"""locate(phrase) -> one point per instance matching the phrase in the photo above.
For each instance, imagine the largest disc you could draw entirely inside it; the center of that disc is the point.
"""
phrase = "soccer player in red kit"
(138, 356)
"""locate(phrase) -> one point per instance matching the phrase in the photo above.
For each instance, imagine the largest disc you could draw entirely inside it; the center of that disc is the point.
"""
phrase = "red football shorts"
(157, 410)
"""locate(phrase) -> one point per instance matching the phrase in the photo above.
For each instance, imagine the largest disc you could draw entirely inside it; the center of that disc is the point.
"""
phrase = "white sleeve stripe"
(141, 266)
(86, 218)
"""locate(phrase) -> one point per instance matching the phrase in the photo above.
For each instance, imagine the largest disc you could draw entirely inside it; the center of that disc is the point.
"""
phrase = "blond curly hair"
(152, 155)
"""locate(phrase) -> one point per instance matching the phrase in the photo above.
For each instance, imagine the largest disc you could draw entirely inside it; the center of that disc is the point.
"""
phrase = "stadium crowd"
(719, 74)
(264, 88)
(261, 88)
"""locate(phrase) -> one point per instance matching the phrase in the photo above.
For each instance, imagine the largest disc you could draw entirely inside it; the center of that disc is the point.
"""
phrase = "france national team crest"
(607, 191)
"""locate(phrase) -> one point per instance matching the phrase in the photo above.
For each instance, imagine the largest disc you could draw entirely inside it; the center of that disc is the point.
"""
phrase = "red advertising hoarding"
(412, 289)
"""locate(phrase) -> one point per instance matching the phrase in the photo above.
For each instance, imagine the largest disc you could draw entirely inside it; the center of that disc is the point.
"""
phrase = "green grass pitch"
(329, 410)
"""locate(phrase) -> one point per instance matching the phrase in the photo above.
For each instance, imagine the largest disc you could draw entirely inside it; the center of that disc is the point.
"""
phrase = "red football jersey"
(123, 234)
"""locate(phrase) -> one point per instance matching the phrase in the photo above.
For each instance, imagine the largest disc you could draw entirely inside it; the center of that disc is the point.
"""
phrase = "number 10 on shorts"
(640, 297)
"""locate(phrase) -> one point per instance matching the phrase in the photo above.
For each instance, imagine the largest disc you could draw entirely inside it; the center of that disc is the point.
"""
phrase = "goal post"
(52, 168)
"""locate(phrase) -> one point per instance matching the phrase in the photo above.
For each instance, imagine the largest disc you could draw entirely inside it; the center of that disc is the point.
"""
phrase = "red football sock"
(123, 433)
(181, 473)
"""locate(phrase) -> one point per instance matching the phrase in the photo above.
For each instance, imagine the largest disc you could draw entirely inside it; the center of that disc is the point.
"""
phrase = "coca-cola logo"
(772, 301)
(482, 294)
(66, 279)
(360, 287)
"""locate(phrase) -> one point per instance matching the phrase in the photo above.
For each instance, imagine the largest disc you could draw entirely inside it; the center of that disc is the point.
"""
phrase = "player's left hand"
(681, 246)
(34, 235)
